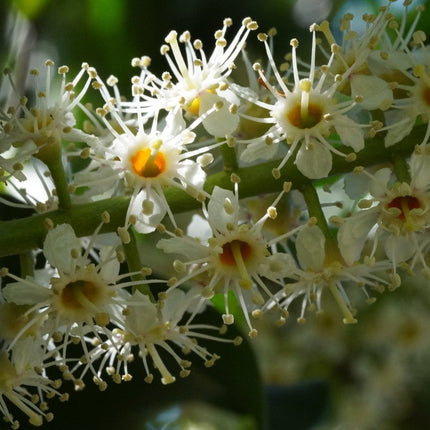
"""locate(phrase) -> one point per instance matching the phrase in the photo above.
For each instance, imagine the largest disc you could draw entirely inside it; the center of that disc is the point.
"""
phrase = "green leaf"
(30, 8)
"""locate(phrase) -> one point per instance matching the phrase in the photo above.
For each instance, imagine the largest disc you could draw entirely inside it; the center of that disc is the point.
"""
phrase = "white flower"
(200, 83)
(50, 118)
(416, 100)
(153, 326)
(352, 53)
(145, 162)
(304, 117)
(22, 370)
(235, 258)
(80, 296)
(324, 268)
(398, 212)
(400, 62)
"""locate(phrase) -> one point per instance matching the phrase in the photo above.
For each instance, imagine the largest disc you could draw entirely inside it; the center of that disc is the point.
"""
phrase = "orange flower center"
(229, 250)
(405, 204)
(148, 165)
(426, 95)
(311, 119)
(72, 293)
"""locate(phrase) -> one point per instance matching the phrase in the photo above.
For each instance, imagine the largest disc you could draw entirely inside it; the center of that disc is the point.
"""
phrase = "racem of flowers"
(200, 192)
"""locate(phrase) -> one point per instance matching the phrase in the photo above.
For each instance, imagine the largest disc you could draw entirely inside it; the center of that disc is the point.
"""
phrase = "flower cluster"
(210, 192)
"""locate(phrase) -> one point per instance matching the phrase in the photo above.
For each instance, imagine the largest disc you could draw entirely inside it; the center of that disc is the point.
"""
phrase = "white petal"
(350, 134)
(143, 314)
(191, 174)
(375, 92)
(146, 223)
(175, 123)
(314, 161)
(22, 293)
(199, 228)
(401, 123)
(109, 270)
(277, 266)
(101, 182)
(219, 123)
(58, 246)
(396, 61)
(310, 247)
(378, 184)
(258, 149)
(420, 170)
(174, 306)
(217, 215)
(186, 246)
(353, 233)
(356, 186)
(399, 248)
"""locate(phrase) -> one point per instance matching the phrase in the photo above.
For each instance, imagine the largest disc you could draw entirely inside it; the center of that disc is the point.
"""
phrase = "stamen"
(348, 317)
(172, 40)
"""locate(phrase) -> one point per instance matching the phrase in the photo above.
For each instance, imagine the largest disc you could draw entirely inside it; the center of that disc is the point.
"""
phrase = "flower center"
(405, 204)
(148, 163)
(305, 118)
(235, 254)
(76, 293)
(194, 107)
(426, 95)
(229, 250)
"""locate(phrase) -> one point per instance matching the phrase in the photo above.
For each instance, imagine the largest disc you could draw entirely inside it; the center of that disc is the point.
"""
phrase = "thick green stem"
(20, 235)
(51, 155)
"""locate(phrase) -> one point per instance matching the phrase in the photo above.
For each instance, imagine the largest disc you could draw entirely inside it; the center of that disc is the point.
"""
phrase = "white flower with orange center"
(397, 213)
(235, 257)
(304, 117)
(200, 81)
(77, 296)
(145, 162)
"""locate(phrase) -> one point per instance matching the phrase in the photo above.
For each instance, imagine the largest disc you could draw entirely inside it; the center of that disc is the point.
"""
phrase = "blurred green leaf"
(30, 8)
(106, 16)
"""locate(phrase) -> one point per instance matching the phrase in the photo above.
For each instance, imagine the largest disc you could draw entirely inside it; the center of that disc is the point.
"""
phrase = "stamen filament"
(348, 317)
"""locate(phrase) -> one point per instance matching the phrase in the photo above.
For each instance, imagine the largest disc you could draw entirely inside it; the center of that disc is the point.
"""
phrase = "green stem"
(20, 235)
(135, 265)
(26, 261)
(314, 207)
(228, 154)
(51, 155)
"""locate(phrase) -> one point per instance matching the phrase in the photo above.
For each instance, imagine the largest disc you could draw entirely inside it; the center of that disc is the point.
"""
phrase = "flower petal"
(310, 246)
(375, 92)
(221, 122)
(314, 160)
(58, 246)
(353, 232)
